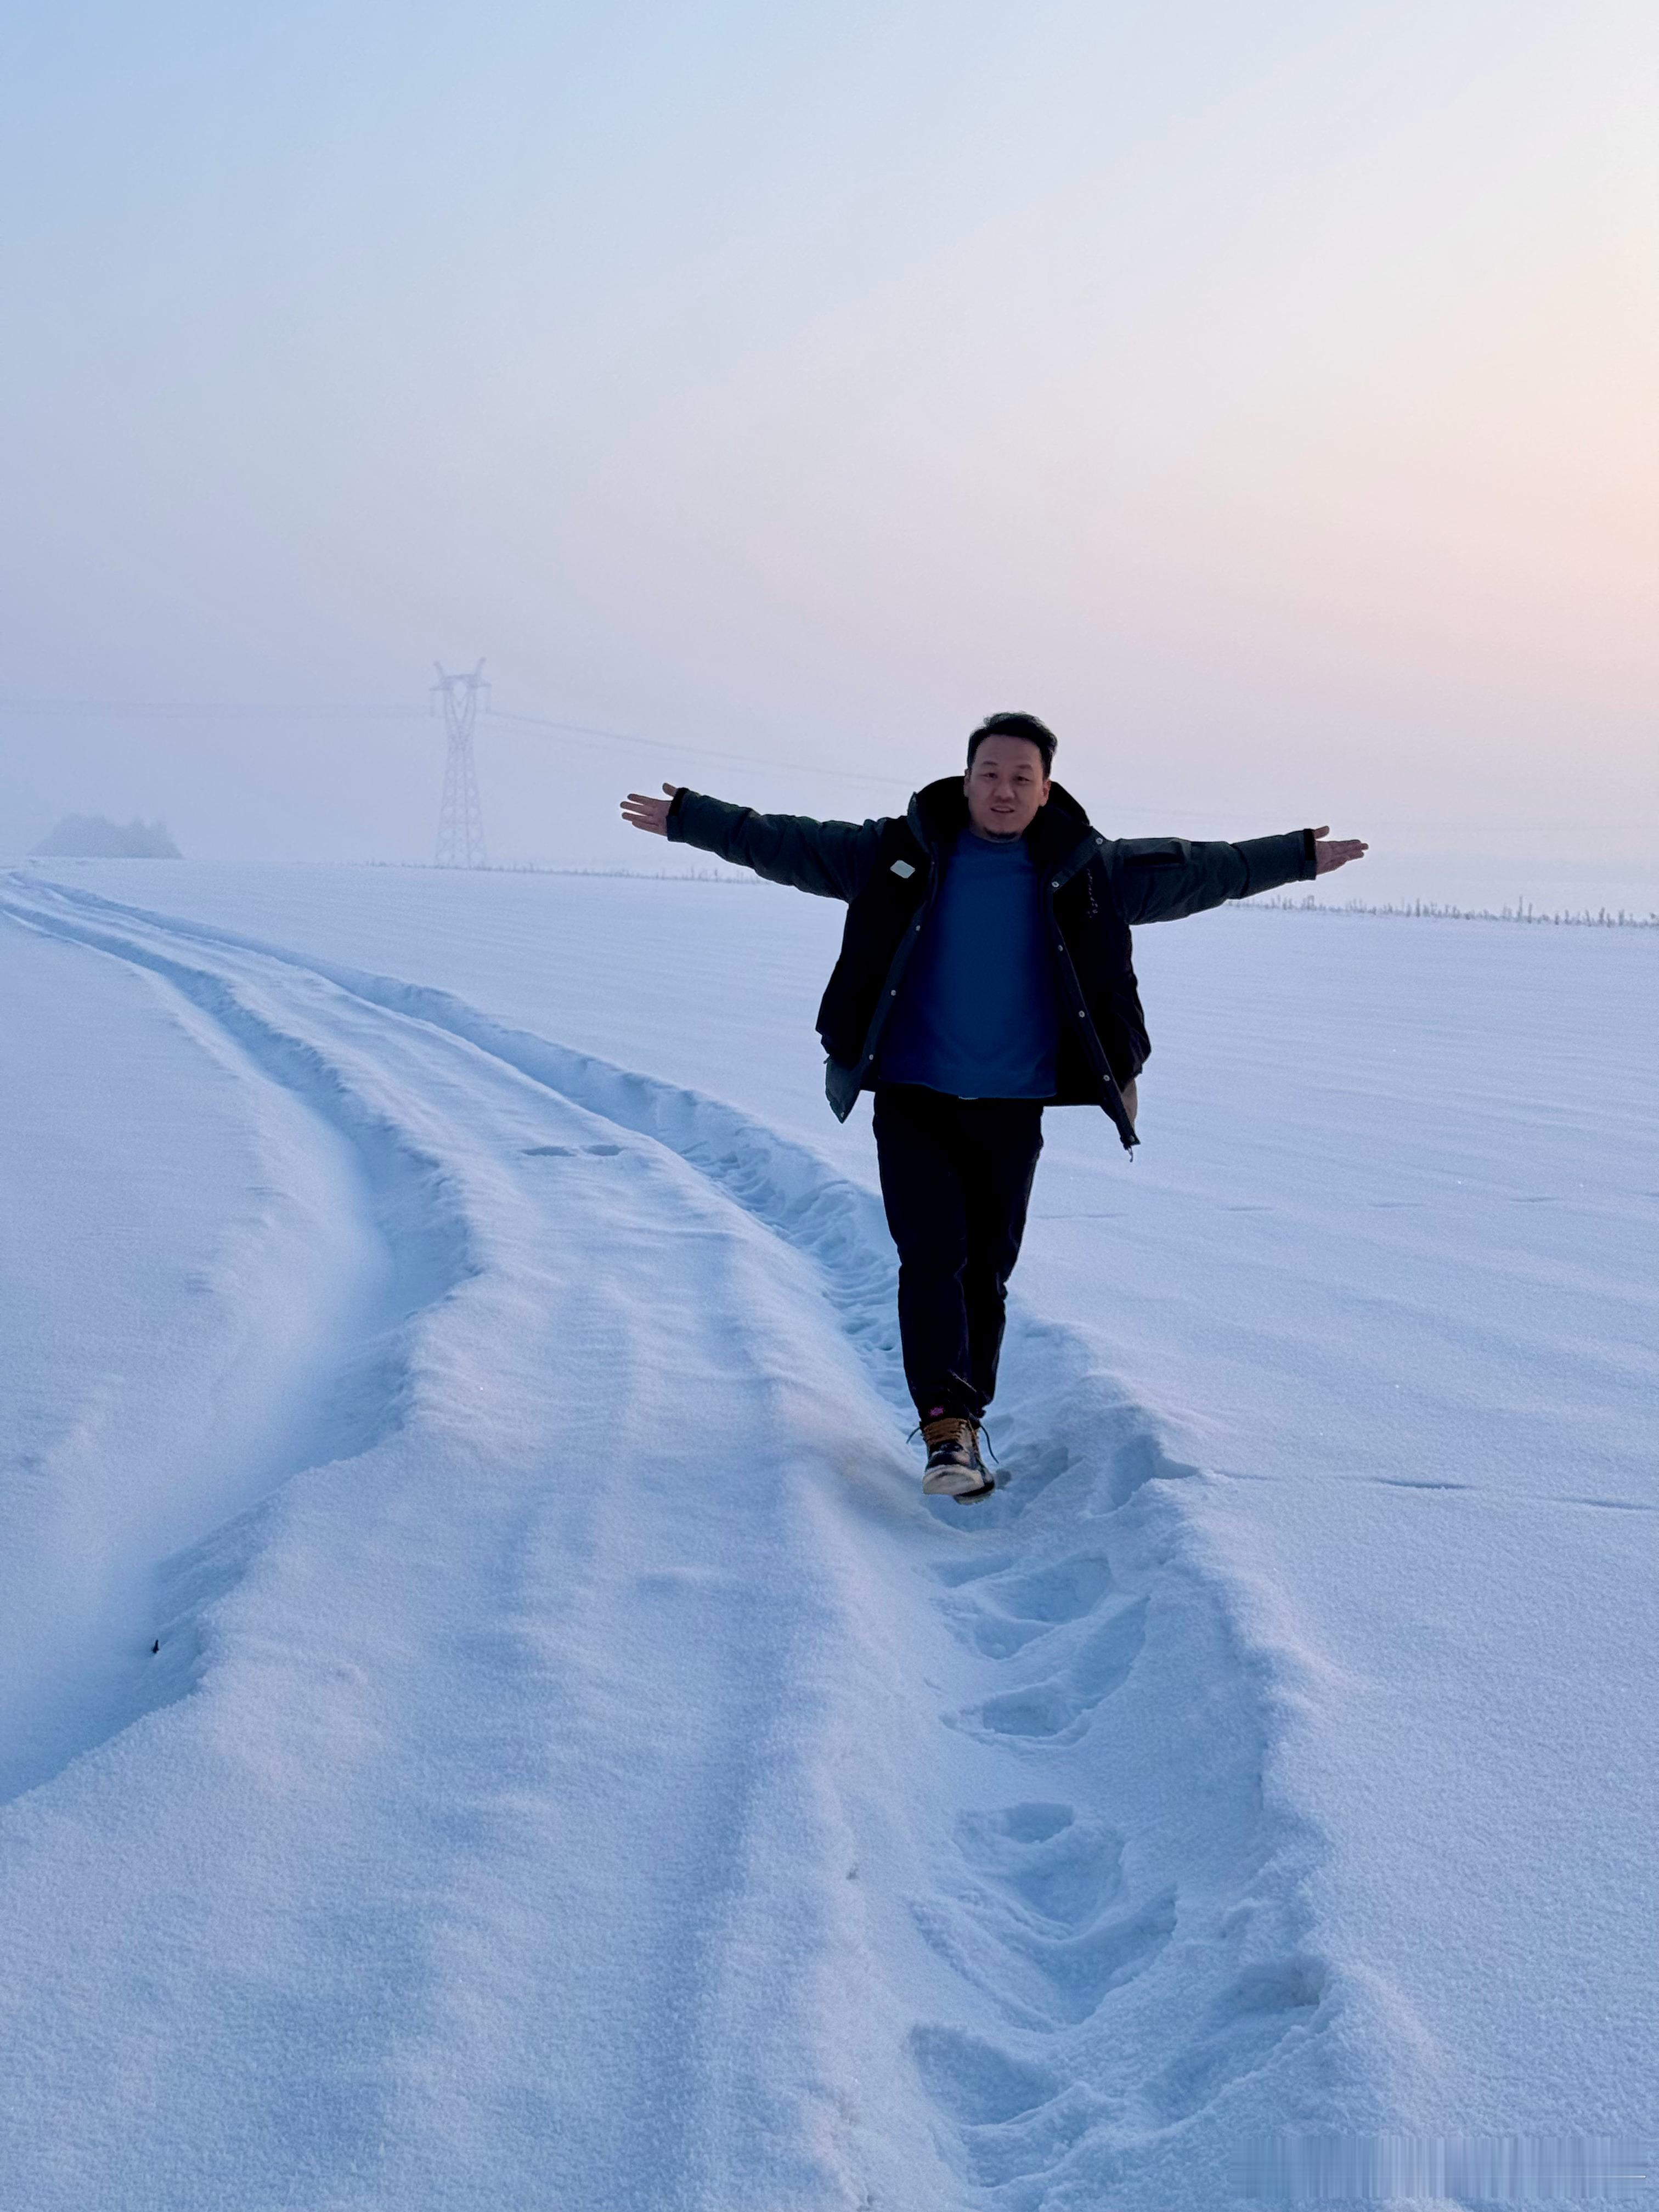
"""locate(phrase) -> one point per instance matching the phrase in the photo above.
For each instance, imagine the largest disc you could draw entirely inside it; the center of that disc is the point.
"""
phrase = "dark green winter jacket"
(1094, 888)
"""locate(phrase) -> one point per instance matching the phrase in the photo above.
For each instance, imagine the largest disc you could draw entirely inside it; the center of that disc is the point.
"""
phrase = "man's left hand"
(1335, 851)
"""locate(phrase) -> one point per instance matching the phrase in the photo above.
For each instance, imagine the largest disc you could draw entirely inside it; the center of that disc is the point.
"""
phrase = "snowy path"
(595, 1776)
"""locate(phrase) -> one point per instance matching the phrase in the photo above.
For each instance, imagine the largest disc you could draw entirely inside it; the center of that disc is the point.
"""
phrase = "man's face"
(1005, 786)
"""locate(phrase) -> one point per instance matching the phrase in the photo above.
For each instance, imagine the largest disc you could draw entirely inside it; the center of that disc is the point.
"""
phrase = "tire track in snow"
(1108, 1915)
(353, 1397)
(599, 1685)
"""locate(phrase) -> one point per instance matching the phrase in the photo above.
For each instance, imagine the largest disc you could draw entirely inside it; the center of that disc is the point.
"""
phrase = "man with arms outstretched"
(985, 972)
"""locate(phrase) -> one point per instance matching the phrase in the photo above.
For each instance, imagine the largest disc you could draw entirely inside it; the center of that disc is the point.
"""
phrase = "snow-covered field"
(488, 1719)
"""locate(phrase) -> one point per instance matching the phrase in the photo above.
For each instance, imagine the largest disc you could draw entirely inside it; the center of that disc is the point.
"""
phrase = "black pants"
(956, 1180)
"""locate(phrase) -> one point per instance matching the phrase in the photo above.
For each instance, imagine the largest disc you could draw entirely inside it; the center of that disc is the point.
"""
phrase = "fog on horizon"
(1264, 395)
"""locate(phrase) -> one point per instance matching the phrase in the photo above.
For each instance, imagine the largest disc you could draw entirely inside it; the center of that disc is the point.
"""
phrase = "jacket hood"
(937, 813)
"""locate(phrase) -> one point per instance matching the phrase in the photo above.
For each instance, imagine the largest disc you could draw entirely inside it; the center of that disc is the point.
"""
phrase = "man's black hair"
(1016, 725)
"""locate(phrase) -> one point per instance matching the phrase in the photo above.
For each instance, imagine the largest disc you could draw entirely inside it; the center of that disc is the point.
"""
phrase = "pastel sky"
(1264, 394)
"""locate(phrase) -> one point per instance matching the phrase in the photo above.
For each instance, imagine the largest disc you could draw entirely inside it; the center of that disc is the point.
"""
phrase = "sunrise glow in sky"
(1265, 395)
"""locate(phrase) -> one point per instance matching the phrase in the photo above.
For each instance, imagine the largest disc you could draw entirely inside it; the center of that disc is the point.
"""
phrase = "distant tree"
(91, 837)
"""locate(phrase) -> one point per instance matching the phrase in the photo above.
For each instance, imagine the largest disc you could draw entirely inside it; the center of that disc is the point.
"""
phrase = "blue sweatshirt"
(976, 1013)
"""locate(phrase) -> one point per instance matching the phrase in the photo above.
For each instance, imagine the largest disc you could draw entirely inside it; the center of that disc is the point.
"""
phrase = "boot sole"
(966, 1487)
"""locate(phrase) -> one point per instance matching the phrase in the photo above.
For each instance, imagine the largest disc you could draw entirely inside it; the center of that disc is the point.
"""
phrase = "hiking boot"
(955, 1468)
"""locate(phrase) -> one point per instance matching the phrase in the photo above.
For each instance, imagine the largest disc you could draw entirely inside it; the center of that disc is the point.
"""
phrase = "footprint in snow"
(1010, 2119)
(1245, 2025)
(1030, 1928)
(1057, 1710)
(1038, 1982)
(1044, 1859)
(1009, 1611)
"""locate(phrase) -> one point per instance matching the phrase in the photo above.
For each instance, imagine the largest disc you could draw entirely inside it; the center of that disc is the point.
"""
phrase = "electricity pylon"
(460, 817)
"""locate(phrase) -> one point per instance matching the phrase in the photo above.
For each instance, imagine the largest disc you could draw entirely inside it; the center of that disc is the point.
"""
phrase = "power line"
(698, 752)
(194, 710)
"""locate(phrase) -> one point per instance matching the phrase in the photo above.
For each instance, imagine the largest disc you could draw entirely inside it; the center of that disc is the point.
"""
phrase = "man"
(985, 972)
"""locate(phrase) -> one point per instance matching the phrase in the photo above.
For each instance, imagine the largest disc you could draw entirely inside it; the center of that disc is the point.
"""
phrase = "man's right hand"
(650, 814)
